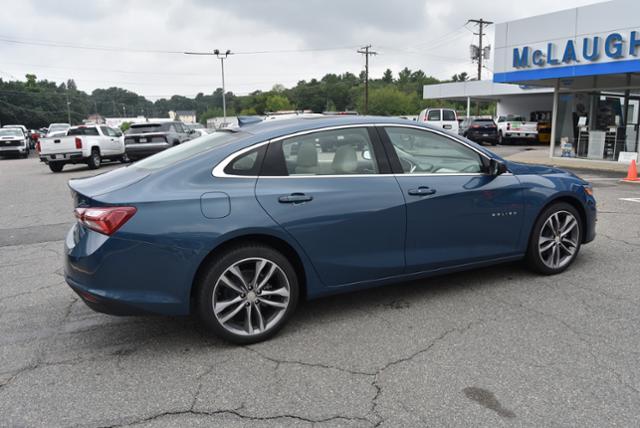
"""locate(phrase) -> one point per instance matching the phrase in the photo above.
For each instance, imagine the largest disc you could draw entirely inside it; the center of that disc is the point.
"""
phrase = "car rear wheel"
(247, 294)
(56, 166)
(555, 240)
(94, 160)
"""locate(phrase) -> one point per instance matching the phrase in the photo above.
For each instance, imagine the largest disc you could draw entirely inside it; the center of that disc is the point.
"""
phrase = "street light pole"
(221, 56)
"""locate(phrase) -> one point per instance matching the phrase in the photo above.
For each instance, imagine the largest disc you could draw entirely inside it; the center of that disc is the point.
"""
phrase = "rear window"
(187, 150)
(448, 115)
(483, 121)
(145, 129)
(83, 131)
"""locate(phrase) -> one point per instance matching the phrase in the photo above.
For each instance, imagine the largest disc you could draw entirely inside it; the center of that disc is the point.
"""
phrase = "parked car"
(57, 129)
(144, 139)
(13, 141)
(512, 128)
(90, 144)
(479, 130)
(444, 118)
(236, 230)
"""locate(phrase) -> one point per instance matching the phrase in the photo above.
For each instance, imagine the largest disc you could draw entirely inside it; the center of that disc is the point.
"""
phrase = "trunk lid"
(91, 187)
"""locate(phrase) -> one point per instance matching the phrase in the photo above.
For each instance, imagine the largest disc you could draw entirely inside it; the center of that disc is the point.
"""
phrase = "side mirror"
(497, 167)
(366, 155)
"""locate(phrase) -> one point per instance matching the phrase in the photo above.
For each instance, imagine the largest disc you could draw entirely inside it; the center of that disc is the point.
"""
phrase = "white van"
(445, 118)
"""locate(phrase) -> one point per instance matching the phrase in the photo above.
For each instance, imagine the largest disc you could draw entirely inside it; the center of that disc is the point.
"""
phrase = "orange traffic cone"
(632, 174)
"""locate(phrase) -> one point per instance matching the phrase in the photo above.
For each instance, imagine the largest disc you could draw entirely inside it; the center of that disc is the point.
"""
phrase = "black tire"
(211, 274)
(534, 257)
(94, 160)
(500, 138)
(56, 166)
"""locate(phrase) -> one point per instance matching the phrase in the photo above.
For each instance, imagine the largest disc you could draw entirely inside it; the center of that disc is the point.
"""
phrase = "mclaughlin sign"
(613, 46)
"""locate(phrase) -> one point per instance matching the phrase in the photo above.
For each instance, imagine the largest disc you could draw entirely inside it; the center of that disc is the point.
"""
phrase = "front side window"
(340, 152)
(433, 115)
(425, 152)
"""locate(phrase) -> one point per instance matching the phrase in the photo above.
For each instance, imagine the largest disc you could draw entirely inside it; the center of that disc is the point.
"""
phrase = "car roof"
(275, 128)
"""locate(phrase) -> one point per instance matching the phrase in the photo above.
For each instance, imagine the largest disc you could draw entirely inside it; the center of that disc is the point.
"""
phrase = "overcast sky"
(428, 35)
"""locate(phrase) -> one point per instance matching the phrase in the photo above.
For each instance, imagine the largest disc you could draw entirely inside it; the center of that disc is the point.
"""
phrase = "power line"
(67, 45)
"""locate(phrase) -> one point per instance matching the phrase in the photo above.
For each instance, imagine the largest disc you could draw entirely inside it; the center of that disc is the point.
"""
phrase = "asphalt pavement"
(494, 347)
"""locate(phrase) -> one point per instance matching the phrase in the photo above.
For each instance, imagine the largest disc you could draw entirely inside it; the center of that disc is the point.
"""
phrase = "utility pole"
(366, 52)
(68, 107)
(221, 56)
(479, 54)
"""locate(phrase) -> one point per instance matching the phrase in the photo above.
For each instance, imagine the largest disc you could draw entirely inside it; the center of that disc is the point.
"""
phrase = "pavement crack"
(237, 413)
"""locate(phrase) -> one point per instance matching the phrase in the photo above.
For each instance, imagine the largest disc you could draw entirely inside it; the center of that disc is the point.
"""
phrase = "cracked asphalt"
(494, 347)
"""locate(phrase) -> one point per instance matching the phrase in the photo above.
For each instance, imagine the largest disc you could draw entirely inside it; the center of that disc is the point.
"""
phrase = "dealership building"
(581, 65)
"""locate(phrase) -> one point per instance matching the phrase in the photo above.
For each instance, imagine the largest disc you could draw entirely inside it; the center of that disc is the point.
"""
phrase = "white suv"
(445, 118)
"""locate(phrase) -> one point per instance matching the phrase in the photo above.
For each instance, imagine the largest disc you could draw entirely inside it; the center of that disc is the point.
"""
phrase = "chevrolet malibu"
(238, 226)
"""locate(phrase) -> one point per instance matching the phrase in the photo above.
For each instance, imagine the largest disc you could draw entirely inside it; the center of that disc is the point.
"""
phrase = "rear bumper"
(526, 135)
(127, 277)
(482, 136)
(139, 150)
(62, 157)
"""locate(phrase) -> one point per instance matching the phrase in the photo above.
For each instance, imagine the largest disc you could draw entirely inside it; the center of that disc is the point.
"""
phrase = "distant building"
(94, 119)
(185, 116)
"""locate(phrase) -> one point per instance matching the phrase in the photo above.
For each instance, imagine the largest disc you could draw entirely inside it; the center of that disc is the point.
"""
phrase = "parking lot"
(494, 347)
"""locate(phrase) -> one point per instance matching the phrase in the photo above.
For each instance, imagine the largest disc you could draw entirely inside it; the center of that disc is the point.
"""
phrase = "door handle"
(295, 198)
(422, 191)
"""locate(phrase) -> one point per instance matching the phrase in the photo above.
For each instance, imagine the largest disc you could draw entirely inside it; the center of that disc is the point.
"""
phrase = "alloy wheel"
(558, 240)
(251, 296)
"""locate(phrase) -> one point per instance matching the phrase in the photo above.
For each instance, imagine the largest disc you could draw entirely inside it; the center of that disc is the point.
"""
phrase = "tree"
(387, 77)
(460, 77)
(390, 101)
(277, 102)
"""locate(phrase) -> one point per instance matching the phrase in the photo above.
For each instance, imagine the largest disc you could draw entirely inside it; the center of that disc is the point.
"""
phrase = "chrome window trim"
(218, 170)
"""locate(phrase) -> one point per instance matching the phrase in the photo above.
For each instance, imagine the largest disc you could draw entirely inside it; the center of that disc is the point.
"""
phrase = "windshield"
(187, 150)
(145, 129)
(10, 132)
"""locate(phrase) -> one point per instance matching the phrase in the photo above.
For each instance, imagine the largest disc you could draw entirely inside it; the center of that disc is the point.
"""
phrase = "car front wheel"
(555, 240)
(247, 294)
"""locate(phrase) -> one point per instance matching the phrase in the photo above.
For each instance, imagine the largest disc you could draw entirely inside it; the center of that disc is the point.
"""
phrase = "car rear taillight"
(38, 147)
(105, 220)
(475, 126)
(78, 143)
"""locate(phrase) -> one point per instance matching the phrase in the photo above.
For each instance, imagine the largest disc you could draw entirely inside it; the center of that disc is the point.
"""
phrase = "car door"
(342, 206)
(108, 141)
(456, 213)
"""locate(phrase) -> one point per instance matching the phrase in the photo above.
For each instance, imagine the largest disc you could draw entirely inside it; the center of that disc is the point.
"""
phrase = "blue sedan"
(239, 225)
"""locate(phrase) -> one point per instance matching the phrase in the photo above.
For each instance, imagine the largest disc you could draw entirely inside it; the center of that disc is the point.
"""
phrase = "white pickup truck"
(512, 127)
(90, 144)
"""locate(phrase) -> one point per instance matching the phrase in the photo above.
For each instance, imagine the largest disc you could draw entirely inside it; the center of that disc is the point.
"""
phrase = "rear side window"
(449, 115)
(83, 131)
(433, 115)
(246, 164)
(339, 152)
